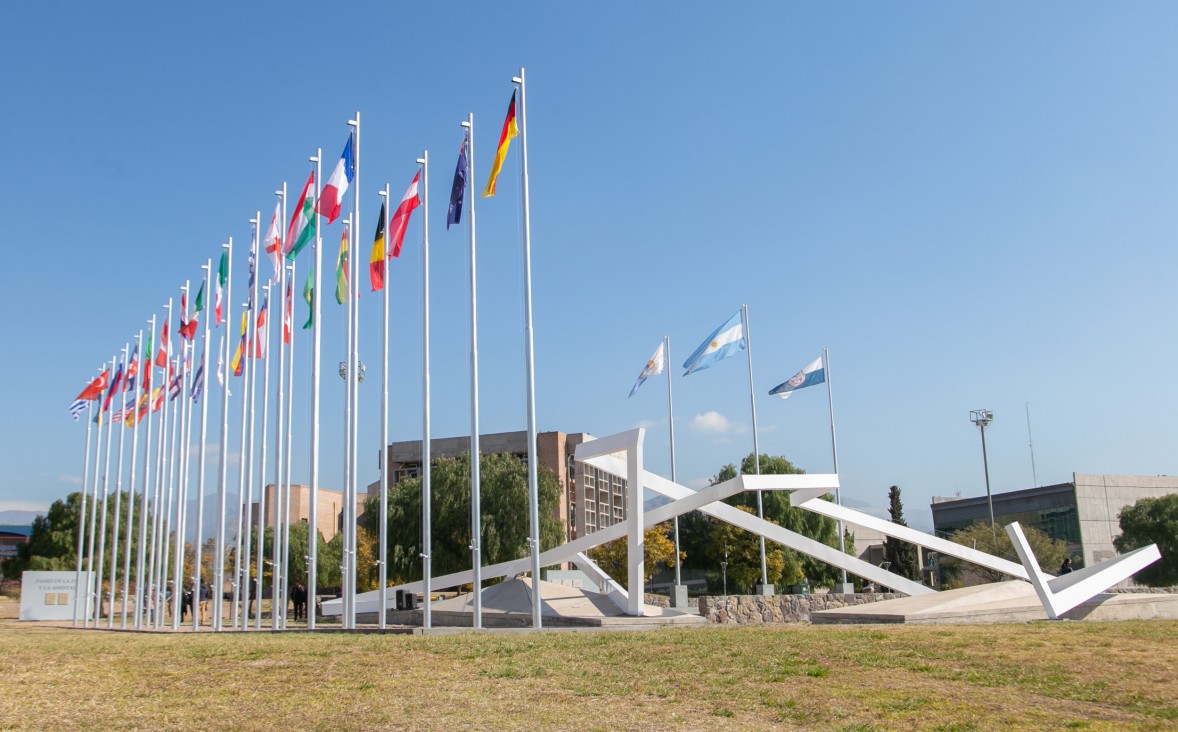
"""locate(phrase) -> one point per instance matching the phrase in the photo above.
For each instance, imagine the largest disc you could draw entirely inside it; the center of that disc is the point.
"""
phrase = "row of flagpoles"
(164, 486)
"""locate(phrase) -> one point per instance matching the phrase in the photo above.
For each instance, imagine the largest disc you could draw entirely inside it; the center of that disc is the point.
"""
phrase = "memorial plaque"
(50, 595)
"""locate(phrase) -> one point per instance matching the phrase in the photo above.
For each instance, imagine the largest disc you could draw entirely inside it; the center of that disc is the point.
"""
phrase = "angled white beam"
(615, 592)
(1060, 594)
(908, 534)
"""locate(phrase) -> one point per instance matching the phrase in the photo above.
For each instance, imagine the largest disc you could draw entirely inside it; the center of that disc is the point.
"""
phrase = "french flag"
(335, 188)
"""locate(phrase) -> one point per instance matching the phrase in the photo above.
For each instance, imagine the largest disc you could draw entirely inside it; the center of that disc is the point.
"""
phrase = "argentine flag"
(725, 341)
(811, 374)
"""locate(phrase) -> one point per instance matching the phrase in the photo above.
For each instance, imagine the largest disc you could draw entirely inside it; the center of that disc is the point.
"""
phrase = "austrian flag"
(400, 220)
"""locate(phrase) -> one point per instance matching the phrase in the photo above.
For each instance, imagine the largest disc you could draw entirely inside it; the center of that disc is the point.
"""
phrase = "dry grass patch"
(1097, 676)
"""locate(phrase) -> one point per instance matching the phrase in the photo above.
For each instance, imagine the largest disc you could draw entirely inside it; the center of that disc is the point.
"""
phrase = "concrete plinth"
(679, 596)
(764, 590)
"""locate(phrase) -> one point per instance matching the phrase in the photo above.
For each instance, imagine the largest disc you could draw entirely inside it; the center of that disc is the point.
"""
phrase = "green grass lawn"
(1065, 675)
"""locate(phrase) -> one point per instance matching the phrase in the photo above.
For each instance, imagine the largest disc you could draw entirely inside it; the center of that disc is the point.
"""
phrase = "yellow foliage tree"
(659, 551)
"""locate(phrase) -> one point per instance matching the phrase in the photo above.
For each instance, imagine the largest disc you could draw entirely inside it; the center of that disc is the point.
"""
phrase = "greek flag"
(77, 408)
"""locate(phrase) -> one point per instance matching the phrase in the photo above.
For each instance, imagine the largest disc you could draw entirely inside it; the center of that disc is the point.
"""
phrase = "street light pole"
(982, 418)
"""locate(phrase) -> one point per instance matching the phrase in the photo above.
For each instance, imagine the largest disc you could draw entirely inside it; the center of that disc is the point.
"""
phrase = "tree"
(504, 516)
(1152, 521)
(658, 552)
(901, 554)
(1050, 552)
(742, 550)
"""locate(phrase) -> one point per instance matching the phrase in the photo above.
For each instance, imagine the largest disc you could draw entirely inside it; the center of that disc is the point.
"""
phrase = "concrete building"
(330, 513)
(589, 498)
(1082, 513)
(11, 539)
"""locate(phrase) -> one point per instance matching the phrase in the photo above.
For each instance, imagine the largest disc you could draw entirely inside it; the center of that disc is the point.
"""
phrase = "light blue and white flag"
(725, 341)
(79, 406)
(653, 367)
(811, 374)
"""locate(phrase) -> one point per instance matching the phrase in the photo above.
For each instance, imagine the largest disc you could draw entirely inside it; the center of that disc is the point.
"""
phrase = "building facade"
(1083, 513)
(329, 514)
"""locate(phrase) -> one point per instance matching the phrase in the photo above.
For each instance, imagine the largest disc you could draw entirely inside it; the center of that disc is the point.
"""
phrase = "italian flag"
(222, 278)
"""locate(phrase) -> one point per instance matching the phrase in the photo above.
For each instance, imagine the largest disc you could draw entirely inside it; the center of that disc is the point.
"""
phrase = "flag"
(273, 242)
(221, 360)
(376, 262)
(505, 137)
(237, 360)
(458, 187)
(653, 367)
(132, 370)
(260, 329)
(93, 390)
(811, 374)
(187, 328)
(157, 399)
(198, 381)
(302, 224)
(725, 341)
(200, 299)
(337, 185)
(249, 285)
(341, 270)
(161, 356)
(78, 407)
(288, 312)
(400, 220)
(115, 383)
(222, 280)
(309, 296)
(175, 385)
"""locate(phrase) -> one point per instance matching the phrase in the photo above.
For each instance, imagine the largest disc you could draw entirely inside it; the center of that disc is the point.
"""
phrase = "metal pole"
(158, 483)
(90, 585)
(277, 568)
(186, 350)
(426, 538)
(197, 574)
(476, 512)
(347, 576)
(105, 490)
(114, 545)
(82, 515)
(838, 498)
(671, 428)
(242, 472)
(530, 361)
(261, 543)
(131, 492)
(284, 587)
(316, 341)
(217, 591)
(986, 467)
(748, 342)
(354, 382)
(142, 580)
(383, 519)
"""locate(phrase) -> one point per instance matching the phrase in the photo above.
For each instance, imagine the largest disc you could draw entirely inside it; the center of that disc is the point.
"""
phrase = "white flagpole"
(426, 538)
(530, 360)
(671, 429)
(279, 425)
(186, 349)
(141, 579)
(248, 504)
(346, 573)
(383, 520)
(244, 525)
(354, 381)
(131, 491)
(259, 553)
(114, 545)
(197, 573)
(834, 453)
(748, 342)
(284, 588)
(90, 583)
(105, 493)
(82, 515)
(316, 343)
(166, 482)
(173, 532)
(218, 589)
(159, 499)
(476, 512)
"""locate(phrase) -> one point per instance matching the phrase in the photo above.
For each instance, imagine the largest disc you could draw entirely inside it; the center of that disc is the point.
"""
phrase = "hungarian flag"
(341, 270)
(114, 387)
(376, 263)
(288, 312)
(458, 187)
(337, 185)
(505, 137)
(309, 296)
(222, 279)
(260, 340)
(302, 224)
(238, 360)
(93, 390)
(273, 242)
(161, 356)
(400, 220)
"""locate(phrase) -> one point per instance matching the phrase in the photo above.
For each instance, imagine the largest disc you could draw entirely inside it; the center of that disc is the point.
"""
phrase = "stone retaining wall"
(758, 610)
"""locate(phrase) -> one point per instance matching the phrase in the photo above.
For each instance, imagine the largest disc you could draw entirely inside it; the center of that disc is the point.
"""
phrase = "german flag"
(505, 137)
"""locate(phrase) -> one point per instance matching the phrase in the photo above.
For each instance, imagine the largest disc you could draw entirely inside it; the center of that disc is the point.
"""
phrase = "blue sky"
(971, 205)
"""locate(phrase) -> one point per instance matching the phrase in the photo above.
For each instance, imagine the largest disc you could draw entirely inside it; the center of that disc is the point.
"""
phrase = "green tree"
(742, 550)
(658, 551)
(504, 526)
(1152, 521)
(1050, 552)
(901, 554)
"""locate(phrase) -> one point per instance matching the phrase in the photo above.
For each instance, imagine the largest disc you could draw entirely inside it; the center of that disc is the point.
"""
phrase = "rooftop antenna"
(1031, 444)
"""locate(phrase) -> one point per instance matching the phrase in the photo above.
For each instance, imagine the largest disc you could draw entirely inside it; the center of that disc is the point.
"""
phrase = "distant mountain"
(19, 518)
